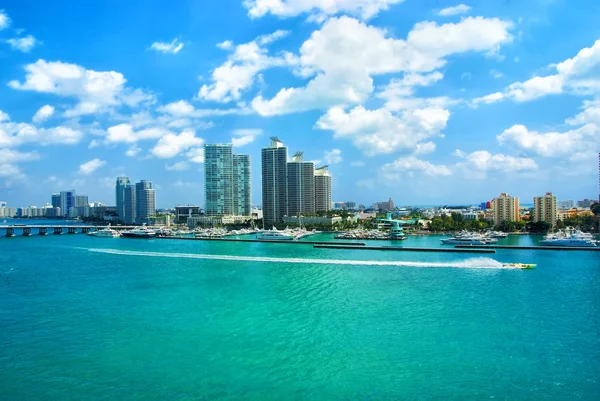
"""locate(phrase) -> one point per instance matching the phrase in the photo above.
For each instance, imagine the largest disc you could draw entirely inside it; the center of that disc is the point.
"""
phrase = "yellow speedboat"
(520, 265)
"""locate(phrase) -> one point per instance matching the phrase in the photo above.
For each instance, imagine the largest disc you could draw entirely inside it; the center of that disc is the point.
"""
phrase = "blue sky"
(427, 102)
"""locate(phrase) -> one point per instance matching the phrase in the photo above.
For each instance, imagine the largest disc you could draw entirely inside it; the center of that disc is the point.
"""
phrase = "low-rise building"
(210, 221)
(183, 212)
(312, 220)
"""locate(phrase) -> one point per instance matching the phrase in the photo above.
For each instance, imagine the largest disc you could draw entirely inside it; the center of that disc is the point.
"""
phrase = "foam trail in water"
(473, 263)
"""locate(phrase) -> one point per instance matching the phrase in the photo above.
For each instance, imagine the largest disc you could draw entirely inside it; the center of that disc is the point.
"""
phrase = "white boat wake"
(473, 263)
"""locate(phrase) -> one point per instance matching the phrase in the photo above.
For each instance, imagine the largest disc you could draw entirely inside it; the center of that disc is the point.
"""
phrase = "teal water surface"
(91, 318)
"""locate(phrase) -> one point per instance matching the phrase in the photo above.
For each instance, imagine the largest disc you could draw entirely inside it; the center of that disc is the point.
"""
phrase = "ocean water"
(92, 318)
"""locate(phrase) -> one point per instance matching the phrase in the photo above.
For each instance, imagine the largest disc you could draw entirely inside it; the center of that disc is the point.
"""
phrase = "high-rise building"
(218, 179)
(81, 200)
(506, 208)
(129, 204)
(242, 187)
(55, 200)
(544, 209)
(323, 189)
(122, 182)
(67, 200)
(274, 181)
(300, 186)
(145, 201)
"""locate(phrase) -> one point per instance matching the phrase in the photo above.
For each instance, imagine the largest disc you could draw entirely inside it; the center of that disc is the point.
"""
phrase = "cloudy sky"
(424, 101)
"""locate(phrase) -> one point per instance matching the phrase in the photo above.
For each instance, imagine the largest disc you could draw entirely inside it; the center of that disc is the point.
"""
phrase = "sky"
(423, 101)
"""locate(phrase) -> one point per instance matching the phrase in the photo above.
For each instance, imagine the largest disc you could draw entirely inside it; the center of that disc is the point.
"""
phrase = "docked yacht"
(463, 241)
(274, 235)
(569, 237)
(106, 232)
(140, 232)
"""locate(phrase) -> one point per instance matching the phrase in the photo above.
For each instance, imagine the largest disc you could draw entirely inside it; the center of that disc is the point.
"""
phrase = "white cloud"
(484, 161)
(578, 75)
(272, 37)
(456, 10)
(407, 166)
(171, 145)
(133, 151)
(179, 166)
(13, 134)
(334, 156)
(162, 47)
(91, 166)
(13, 156)
(24, 44)
(379, 131)
(317, 8)
(4, 116)
(425, 148)
(4, 20)
(96, 91)
(124, 133)
(344, 54)
(242, 137)
(195, 155)
(44, 113)
(225, 45)
(496, 74)
(242, 66)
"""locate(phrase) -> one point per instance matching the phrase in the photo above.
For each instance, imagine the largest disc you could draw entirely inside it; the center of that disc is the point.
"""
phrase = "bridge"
(28, 230)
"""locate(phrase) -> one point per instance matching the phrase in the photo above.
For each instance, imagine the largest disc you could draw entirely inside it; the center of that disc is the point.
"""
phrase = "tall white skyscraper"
(274, 181)
(322, 189)
(122, 182)
(300, 186)
(226, 181)
(129, 204)
(145, 201)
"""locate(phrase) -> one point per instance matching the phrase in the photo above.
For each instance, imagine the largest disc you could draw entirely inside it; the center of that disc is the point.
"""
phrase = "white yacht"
(140, 232)
(106, 232)
(463, 241)
(274, 235)
(569, 237)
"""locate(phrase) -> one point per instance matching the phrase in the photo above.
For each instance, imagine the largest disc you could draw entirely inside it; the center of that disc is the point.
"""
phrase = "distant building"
(67, 200)
(210, 221)
(145, 201)
(586, 203)
(55, 200)
(322, 189)
(483, 206)
(505, 208)
(121, 184)
(312, 220)
(385, 206)
(300, 186)
(350, 205)
(274, 181)
(218, 179)
(81, 200)
(544, 209)
(2, 204)
(129, 204)
(242, 186)
(183, 212)
(565, 205)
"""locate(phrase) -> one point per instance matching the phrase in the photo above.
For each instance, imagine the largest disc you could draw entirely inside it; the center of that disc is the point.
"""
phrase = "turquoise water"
(91, 318)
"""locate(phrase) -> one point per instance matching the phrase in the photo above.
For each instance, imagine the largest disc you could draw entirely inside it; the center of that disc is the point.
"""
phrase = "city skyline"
(365, 90)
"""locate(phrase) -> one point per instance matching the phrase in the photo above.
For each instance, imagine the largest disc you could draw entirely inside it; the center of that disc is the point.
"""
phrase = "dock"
(530, 247)
(359, 245)
(28, 230)
(407, 249)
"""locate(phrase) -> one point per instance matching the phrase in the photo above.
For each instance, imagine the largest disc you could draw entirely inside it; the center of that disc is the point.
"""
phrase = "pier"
(407, 249)
(340, 244)
(531, 247)
(29, 230)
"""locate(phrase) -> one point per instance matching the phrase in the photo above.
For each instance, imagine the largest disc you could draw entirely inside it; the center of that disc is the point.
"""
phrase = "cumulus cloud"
(484, 161)
(333, 156)
(242, 137)
(172, 48)
(344, 54)
(96, 91)
(577, 75)
(225, 45)
(409, 165)
(91, 166)
(318, 9)
(379, 131)
(195, 155)
(171, 145)
(456, 10)
(179, 166)
(23, 44)
(4, 20)
(44, 113)
(9, 160)
(14, 134)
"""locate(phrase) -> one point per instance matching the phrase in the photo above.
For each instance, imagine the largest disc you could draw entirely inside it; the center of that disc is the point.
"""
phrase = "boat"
(274, 235)
(140, 232)
(569, 237)
(106, 232)
(463, 241)
(520, 265)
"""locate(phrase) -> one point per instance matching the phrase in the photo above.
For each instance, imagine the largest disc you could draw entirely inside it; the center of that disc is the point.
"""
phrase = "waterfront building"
(313, 220)
(183, 212)
(67, 200)
(218, 179)
(565, 204)
(211, 221)
(544, 209)
(385, 206)
(2, 204)
(129, 204)
(120, 185)
(8, 211)
(81, 200)
(322, 189)
(274, 181)
(300, 186)
(242, 187)
(505, 208)
(145, 201)
(55, 200)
